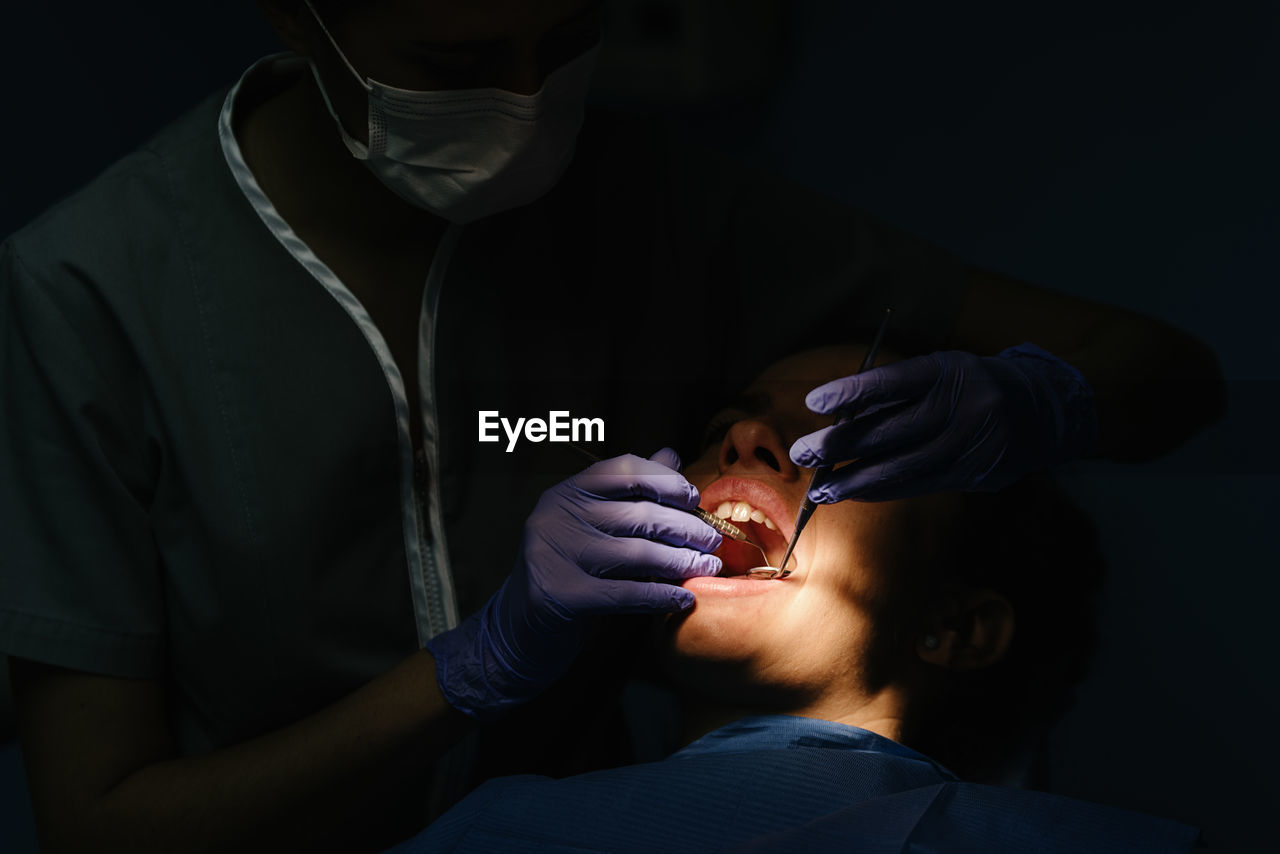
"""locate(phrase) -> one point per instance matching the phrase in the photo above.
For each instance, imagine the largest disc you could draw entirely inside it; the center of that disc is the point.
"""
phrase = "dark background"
(1121, 152)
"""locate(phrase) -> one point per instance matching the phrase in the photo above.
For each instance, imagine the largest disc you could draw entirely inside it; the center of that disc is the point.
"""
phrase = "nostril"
(731, 456)
(766, 456)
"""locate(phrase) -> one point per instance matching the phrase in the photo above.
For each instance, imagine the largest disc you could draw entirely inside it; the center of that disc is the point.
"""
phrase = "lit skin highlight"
(799, 645)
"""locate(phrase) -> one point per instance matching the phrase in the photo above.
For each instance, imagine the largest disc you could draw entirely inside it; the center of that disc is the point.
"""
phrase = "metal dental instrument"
(727, 528)
(820, 473)
(724, 526)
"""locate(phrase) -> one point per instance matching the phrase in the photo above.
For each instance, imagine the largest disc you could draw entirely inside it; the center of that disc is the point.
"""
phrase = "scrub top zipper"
(437, 614)
(441, 600)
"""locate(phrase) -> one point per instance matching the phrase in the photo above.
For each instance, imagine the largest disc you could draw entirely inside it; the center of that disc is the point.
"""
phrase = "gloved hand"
(586, 541)
(948, 421)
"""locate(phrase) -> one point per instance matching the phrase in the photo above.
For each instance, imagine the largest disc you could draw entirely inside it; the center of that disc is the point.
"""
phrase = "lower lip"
(732, 587)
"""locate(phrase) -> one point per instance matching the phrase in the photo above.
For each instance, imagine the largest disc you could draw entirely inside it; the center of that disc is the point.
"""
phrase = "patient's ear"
(972, 631)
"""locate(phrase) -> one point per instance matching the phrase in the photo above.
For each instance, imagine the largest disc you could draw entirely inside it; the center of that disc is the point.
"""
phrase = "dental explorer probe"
(724, 526)
(820, 473)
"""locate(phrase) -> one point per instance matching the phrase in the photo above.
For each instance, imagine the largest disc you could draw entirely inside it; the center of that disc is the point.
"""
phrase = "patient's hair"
(1032, 544)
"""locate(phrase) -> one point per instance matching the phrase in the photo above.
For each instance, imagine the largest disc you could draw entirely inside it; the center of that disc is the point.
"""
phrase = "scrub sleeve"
(80, 582)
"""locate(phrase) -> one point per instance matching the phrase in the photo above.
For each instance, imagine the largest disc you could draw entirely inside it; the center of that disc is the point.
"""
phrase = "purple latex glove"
(948, 421)
(587, 540)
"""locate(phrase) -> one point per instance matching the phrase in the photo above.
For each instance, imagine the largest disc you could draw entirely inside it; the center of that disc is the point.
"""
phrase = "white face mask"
(464, 154)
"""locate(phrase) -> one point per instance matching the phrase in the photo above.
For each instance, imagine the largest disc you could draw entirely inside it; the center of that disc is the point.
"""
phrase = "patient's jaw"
(798, 645)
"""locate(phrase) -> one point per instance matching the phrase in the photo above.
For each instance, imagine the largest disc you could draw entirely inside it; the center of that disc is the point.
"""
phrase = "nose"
(753, 445)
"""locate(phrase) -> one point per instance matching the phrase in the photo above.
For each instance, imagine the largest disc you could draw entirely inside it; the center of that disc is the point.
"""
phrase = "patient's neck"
(882, 714)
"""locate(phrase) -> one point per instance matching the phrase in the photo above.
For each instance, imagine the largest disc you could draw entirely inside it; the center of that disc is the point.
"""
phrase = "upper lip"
(763, 497)
(757, 493)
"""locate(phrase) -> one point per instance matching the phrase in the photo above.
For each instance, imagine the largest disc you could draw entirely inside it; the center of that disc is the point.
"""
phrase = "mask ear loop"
(358, 149)
(363, 81)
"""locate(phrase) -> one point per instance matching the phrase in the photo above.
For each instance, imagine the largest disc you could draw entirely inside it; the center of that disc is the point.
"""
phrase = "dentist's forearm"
(1155, 386)
(321, 783)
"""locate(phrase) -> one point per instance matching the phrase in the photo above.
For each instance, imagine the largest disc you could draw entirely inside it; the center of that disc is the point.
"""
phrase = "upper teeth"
(741, 511)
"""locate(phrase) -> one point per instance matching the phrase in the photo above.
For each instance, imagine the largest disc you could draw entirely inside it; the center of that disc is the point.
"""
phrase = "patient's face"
(807, 635)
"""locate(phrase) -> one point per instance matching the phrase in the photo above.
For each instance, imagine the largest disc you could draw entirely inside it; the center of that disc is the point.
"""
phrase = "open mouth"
(758, 511)
(739, 558)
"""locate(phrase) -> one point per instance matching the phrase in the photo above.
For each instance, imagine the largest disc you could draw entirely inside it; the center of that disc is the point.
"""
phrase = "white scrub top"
(205, 470)
(207, 474)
